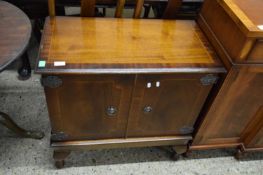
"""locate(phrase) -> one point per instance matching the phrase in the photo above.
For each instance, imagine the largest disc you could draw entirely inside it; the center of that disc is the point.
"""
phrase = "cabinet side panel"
(252, 136)
(227, 32)
(256, 55)
(257, 141)
(235, 105)
(53, 108)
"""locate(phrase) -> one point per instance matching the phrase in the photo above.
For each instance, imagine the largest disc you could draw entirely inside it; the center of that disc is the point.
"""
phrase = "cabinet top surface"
(247, 13)
(106, 45)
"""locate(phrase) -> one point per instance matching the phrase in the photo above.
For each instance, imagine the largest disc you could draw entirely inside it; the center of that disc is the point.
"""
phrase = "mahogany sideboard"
(235, 115)
(113, 83)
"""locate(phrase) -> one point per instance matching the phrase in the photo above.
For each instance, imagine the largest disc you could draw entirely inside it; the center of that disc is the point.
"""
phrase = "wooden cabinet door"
(166, 105)
(89, 106)
(238, 102)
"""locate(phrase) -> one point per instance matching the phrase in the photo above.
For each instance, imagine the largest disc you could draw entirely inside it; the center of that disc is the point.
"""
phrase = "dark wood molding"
(122, 143)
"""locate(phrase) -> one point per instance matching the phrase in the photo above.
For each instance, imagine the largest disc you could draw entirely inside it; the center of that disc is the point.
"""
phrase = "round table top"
(15, 32)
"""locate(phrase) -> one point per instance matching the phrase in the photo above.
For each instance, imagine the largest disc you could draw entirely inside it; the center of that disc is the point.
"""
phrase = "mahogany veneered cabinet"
(238, 103)
(113, 83)
(235, 115)
(125, 106)
(124, 82)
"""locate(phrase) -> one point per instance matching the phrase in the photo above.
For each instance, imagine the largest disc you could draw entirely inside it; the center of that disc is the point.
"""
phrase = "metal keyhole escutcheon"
(147, 109)
(111, 111)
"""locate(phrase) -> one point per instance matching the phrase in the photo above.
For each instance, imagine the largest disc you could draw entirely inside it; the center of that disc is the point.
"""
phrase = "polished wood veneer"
(236, 27)
(251, 8)
(234, 117)
(125, 45)
(122, 143)
(134, 83)
(15, 32)
(120, 110)
(125, 82)
(236, 104)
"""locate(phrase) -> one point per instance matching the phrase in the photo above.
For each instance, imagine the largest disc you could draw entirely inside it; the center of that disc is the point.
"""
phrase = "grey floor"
(25, 102)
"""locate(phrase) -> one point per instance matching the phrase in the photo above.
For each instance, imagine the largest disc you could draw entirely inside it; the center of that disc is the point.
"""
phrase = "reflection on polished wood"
(94, 43)
(253, 10)
(247, 14)
(240, 20)
(119, 106)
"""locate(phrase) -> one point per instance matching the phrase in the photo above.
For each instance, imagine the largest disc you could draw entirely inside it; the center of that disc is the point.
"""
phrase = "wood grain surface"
(79, 106)
(247, 14)
(252, 9)
(175, 104)
(127, 45)
(252, 135)
(15, 32)
(232, 33)
(121, 143)
(238, 102)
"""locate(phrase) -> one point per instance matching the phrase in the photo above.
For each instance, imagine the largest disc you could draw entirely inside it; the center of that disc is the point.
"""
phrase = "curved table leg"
(25, 70)
(11, 125)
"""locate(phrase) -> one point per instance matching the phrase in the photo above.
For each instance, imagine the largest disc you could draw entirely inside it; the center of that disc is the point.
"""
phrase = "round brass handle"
(111, 111)
(147, 109)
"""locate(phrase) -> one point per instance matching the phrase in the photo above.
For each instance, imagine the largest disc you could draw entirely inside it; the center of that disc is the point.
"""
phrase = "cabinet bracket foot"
(59, 157)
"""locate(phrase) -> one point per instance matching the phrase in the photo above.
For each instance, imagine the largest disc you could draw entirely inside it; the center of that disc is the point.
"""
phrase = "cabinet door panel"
(78, 108)
(173, 107)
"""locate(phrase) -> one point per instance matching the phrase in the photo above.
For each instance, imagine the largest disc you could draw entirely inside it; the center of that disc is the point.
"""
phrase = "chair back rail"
(88, 8)
(138, 8)
(51, 8)
(171, 9)
(119, 8)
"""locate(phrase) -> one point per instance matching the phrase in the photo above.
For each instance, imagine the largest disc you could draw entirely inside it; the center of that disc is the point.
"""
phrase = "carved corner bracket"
(51, 81)
(209, 79)
(58, 136)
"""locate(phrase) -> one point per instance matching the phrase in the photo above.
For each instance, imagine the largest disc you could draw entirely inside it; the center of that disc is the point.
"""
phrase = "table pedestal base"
(11, 125)
(25, 70)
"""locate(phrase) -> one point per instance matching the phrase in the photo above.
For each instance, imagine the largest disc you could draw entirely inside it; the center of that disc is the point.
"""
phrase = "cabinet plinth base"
(242, 151)
(63, 148)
